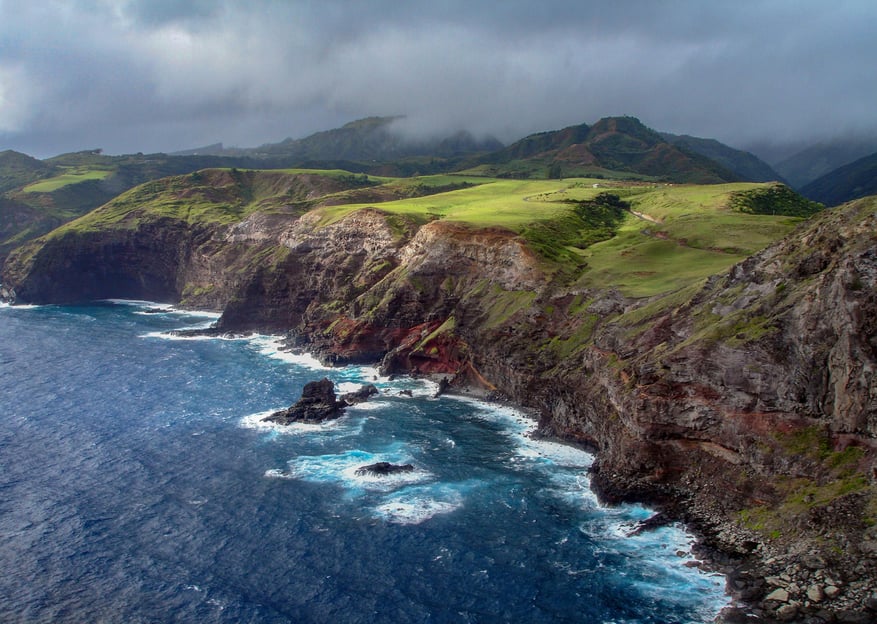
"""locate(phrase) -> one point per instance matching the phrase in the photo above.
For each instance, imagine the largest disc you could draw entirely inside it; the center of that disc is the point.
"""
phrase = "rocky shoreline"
(742, 405)
(766, 583)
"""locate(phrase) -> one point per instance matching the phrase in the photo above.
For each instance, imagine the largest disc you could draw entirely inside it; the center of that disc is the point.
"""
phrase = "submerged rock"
(317, 403)
(383, 469)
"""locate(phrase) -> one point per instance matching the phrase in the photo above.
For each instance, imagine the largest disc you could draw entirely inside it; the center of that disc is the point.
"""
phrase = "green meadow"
(73, 176)
(661, 238)
(672, 236)
(489, 202)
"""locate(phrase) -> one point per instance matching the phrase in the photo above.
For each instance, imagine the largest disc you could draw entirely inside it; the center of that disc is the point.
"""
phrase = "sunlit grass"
(71, 177)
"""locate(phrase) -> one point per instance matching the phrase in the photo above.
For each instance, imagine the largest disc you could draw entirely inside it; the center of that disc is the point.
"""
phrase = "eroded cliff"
(745, 403)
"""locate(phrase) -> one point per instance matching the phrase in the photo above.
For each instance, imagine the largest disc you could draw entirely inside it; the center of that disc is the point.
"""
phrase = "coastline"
(750, 579)
(757, 574)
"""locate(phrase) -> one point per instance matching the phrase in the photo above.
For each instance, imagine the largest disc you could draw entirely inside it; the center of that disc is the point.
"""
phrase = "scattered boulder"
(831, 591)
(779, 595)
(656, 521)
(383, 469)
(787, 613)
(317, 404)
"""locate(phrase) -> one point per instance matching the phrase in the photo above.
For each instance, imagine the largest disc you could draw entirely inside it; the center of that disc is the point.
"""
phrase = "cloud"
(147, 75)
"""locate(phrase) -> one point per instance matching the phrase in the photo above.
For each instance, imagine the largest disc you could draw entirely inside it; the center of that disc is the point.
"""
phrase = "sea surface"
(138, 484)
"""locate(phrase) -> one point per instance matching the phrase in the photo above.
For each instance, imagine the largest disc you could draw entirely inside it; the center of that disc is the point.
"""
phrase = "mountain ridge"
(744, 164)
(851, 181)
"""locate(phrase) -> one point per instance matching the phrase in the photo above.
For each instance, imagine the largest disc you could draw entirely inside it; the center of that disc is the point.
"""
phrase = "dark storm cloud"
(146, 75)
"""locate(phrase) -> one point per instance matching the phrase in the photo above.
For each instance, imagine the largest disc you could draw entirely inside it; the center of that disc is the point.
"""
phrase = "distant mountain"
(746, 165)
(820, 159)
(365, 140)
(216, 149)
(852, 181)
(613, 144)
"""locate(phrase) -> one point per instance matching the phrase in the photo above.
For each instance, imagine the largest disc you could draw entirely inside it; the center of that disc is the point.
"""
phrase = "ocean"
(139, 484)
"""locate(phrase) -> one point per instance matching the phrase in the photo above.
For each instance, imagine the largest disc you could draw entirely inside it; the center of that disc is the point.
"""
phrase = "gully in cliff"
(318, 403)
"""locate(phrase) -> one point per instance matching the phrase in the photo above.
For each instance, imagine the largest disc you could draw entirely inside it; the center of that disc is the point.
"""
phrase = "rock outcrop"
(383, 469)
(317, 404)
(361, 395)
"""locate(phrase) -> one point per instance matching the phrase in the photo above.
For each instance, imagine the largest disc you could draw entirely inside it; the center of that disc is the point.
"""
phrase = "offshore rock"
(383, 469)
(317, 404)
(359, 396)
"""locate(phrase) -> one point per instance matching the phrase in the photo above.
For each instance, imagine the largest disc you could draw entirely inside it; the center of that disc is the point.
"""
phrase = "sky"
(133, 76)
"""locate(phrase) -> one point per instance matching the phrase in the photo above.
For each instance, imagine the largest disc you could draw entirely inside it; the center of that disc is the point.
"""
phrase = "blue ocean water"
(138, 484)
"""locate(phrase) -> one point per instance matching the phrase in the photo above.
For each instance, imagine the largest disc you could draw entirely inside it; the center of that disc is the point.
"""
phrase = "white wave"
(272, 347)
(20, 306)
(574, 488)
(347, 386)
(163, 308)
(369, 374)
(256, 421)
(417, 504)
(341, 468)
(384, 483)
(167, 335)
(139, 303)
(520, 428)
(418, 387)
(369, 406)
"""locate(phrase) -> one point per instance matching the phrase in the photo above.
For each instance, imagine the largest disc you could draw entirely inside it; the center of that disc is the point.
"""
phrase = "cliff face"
(749, 400)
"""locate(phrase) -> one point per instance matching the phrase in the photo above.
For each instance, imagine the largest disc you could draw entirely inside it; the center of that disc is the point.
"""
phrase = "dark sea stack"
(383, 469)
(363, 394)
(317, 404)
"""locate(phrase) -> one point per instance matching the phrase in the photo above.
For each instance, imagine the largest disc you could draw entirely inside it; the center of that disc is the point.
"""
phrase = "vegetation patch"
(590, 221)
(499, 304)
(774, 199)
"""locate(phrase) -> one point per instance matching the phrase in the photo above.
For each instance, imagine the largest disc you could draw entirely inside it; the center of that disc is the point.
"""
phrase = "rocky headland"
(744, 405)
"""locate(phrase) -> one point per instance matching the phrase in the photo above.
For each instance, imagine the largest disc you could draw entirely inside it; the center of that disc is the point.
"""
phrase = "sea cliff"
(744, 404)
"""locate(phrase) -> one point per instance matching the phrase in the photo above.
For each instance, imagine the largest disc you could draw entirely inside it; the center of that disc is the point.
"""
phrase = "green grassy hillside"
(640, 238)
(667, 237)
